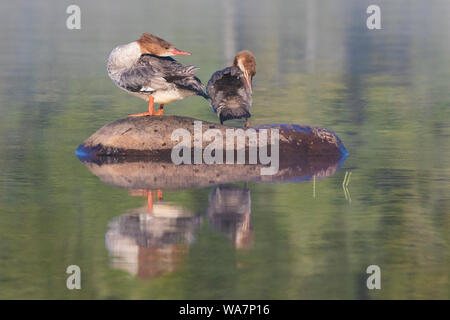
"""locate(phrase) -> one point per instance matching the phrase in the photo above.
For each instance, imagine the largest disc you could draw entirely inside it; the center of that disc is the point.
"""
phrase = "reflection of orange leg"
(246, 222)
(150, 109)
(161, 109)
(159, 195)
(149, 201)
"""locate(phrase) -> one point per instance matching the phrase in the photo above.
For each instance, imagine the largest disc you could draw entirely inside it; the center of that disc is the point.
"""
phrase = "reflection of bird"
(230, 89)
(149, 245)
(229, 212)
(145, 69)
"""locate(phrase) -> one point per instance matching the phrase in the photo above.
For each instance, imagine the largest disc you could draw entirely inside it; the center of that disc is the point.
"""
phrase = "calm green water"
(385, 93)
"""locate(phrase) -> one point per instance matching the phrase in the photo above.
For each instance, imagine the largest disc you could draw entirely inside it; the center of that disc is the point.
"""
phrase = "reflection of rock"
(168, 176)
(150, 244)
(229, 212)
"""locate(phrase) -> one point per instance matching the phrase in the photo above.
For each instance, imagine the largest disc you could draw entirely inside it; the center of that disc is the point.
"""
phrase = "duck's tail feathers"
(191, 82)
(232, 109)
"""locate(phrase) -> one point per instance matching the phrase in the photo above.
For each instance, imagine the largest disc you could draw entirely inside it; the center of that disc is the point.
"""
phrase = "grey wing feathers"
(143, 77)
(153, 73)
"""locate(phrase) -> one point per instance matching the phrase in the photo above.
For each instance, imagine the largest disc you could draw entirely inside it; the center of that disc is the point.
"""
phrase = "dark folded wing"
(153, 73)
(143, 77)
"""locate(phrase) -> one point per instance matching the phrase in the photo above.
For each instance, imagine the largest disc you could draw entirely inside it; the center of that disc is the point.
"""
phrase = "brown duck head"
(159, 47)
(246, 62)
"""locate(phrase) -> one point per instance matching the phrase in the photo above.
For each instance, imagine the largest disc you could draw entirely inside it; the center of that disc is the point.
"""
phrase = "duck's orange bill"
(249, 83)
(180, 53)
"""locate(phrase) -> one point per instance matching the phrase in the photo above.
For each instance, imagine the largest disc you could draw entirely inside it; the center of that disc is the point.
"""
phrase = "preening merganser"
(145, 69)
(230, 89)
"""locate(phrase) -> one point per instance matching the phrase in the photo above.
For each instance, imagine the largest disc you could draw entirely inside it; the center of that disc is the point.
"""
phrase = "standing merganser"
(145, 69)
(230, 89)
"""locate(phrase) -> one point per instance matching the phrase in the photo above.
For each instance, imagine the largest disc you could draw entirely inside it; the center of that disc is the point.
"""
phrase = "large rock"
(150, 137)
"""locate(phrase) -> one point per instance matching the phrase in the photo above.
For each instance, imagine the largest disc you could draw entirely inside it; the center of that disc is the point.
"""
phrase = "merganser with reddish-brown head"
(230, 89)
(145, 69)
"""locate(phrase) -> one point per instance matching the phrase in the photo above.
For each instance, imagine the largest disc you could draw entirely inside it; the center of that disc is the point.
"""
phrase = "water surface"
(385, 93)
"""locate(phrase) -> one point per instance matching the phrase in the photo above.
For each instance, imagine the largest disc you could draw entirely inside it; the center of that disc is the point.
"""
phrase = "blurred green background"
(384, 92)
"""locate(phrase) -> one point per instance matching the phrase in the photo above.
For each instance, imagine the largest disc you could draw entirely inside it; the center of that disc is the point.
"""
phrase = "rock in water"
(151, 137)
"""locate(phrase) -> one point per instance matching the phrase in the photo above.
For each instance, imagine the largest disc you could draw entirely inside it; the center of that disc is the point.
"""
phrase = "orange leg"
(161, 109)
(246, 123)
(150, 109)
(159, 195)
(149, 201)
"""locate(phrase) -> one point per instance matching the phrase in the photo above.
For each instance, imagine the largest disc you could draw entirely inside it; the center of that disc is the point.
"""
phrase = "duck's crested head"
(152, 44)
(246, 62)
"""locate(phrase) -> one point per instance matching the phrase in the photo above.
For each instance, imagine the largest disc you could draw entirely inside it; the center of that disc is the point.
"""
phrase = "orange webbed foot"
(150, 111)
(141, 114)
